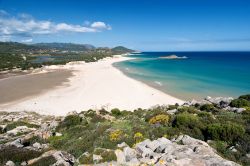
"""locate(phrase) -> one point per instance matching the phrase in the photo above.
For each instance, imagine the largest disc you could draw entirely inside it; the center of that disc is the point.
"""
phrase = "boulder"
(64, 158)
(10, 163)
(122, 145)
(97, 158)
(37, 145)
(17, 143)
(172, 112)
(129, 154)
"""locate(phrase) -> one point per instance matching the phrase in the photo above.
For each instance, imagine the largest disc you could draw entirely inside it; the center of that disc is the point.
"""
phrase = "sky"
(143, 25)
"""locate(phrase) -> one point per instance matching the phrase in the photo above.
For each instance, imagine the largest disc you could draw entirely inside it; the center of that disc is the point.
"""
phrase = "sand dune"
(93, 86)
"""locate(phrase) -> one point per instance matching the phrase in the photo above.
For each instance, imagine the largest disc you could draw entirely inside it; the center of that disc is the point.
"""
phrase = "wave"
(158, 83)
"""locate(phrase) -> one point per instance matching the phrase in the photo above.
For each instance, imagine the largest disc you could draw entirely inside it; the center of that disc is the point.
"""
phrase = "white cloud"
(100, 25)
(25, 25)
(26, 40)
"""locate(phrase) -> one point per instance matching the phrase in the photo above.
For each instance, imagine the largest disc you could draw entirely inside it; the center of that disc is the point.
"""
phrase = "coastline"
(93, 85)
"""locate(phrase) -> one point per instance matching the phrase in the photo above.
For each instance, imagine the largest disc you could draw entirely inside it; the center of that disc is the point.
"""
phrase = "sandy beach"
(93, 85)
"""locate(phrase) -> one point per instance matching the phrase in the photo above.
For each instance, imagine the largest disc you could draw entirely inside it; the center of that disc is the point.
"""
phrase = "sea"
(199, 75)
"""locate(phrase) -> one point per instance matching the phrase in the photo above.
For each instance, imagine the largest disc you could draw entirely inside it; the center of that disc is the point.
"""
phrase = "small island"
(173, 57)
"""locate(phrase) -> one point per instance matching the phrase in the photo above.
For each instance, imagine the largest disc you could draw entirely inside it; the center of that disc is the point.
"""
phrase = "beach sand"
(21, 87)
(93, 86)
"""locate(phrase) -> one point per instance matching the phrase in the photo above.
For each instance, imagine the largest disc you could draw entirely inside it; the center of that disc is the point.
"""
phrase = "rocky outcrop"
(182, 151)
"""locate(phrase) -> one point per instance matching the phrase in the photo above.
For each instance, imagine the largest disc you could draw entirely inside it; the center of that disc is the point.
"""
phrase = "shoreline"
(93, 85)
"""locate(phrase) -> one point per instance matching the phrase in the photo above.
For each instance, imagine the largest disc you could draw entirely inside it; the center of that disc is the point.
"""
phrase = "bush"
(226, 132)
(187, 109)
(208, 108)
(239, 103)
(70, 121)
(115, 135)
(13, 125)
(246, 97)
(86, 159)
(17, 155)
(186, 120)
(160, 119)
(116, 112)
(138, 137)
(108, 155)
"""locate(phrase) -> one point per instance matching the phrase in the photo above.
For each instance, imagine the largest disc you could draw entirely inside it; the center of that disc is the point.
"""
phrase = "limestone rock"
(10, 163)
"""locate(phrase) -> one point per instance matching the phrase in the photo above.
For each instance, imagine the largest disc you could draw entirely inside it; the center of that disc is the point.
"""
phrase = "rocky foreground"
(142, 137)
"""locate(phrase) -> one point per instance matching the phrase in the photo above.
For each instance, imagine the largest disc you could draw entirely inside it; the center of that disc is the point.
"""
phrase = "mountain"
(10, 47)
(15, 47)
(121, 49)
(65, 46)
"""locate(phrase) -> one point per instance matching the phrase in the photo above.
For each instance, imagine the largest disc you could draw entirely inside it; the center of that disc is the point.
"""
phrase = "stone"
(172, 112)
(10, 163)
(164, 140)
(233, 149)
(24, 163)
(58, 134)
(17, 143)
(20, 129)
(129, 153)
(37, 145)
(97, 158)
(122, 145)
(120, 156)
(64, 158)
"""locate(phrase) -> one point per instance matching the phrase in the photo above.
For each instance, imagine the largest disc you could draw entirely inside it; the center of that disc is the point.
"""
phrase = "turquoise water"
(201, 74)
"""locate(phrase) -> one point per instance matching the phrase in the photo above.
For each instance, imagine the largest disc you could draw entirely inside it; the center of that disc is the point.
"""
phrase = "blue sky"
(147, 25)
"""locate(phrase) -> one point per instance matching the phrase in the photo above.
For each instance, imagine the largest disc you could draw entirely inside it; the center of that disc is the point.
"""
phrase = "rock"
(240, 110)
(234, 109)
(120, 156)
(97, 158)
(64, 158)
(222, 102)
(172, 112)
(17, 143)
(10, 163)
(20, 129)
(24, 163)
(58, 134)
(232, 148)
(248, 155)
(129, 154)
(122, 145)
(37, 145)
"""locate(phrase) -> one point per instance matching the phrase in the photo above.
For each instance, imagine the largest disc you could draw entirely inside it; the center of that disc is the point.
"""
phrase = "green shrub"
(187, 109)
(246, 97)
(70, 121)
(17, 155)
(108, 155)
(116, 112)
(186, 120)
(86, 159)
(13, 125)
(208, 108)
(239, 103)
(226, 132)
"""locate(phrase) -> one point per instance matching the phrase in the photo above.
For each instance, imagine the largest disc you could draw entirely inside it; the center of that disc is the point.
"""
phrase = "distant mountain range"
(8, 47)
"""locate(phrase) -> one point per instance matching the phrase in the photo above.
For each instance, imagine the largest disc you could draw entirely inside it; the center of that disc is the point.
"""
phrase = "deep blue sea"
(201, 74)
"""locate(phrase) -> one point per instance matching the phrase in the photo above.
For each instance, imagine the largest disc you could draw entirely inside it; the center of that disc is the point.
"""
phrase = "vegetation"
(87, 131)
(17, 155)
(13, 125)
(240, 102)
(21, 56)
